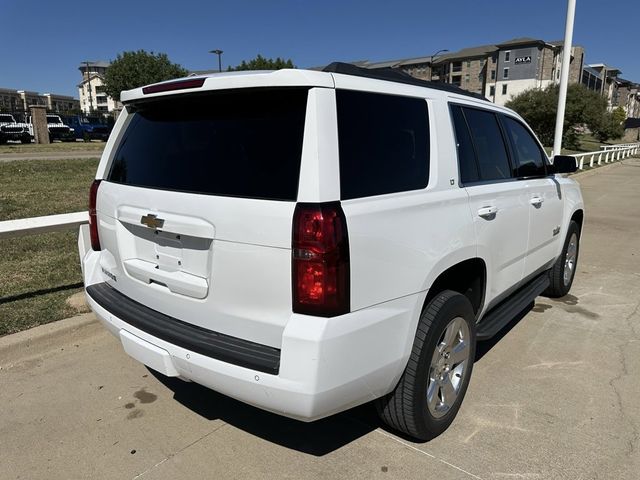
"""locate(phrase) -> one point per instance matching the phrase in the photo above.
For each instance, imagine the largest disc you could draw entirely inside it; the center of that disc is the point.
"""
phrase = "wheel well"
(578, 217)
(468, 278)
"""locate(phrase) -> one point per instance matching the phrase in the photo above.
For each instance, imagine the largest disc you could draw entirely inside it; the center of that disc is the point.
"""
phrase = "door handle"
(487, 212)
(536, 201)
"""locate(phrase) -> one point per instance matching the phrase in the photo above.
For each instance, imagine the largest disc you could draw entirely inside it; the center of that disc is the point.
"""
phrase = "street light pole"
(564, 76)
(219, 53)
(89, 88)
(433, 57)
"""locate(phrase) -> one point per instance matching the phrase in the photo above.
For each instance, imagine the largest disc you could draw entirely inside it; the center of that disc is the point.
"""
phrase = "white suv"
(308, 241)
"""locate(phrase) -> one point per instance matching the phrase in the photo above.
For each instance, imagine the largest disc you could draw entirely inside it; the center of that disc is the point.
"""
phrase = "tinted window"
(244, 143)
(529, 158)
(493, 163)
(384, 143)
(466, 155)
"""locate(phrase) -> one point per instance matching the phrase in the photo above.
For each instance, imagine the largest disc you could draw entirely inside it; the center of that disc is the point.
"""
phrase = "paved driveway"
(555, 397)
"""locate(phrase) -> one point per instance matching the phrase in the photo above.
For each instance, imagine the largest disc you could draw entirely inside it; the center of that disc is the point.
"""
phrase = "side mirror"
(564, 164)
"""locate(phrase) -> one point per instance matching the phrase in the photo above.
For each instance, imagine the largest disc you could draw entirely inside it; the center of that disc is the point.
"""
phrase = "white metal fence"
(49, 223)
(606, 154)
(68, 221)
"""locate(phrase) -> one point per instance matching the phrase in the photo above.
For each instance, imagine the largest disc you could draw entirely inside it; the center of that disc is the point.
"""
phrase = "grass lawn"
(52, 147)
(588, 143)
(39, 272)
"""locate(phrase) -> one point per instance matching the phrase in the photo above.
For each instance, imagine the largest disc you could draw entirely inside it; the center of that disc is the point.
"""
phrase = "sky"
(43, 42)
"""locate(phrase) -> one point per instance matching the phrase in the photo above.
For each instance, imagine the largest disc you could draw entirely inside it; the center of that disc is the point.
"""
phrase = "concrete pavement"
(554, 397)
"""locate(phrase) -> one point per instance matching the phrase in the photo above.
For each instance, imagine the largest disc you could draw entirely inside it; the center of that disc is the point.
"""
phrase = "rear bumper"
(91, 135)
(326, 364)
(191, 337)
(61, 135)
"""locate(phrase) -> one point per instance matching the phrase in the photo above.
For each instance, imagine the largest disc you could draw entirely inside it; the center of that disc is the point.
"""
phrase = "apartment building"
(497, 71)
(627, 96)
(18, 101)
(93, 98)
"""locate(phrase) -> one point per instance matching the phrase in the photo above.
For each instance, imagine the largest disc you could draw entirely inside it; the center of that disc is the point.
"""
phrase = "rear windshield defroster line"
(240, 143)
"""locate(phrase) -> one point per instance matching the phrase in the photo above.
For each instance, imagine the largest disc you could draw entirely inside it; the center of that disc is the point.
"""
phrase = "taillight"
(93, 219)
(171, 86)
(320, 258)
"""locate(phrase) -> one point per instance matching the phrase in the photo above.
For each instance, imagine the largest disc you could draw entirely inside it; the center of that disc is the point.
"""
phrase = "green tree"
(612, 125)
(584, 107)
(135, 69)
(262, 63)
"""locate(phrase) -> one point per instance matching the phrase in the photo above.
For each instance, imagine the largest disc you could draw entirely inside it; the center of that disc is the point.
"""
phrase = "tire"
(563, 272)
(407, 407)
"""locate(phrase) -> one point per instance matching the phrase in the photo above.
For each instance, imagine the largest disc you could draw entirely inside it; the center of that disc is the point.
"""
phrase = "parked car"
(12, 130)
(309, 241)
(89, 128)
(57, 129)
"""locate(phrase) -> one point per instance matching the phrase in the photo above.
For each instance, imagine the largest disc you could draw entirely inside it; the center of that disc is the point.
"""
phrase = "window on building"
(468, 63)
(492, 91)
(493, 74)
(493, 60)
(467, 78)
(507, 56)
(456, 80)
(504, 89)
(383, 142)
(505, 73)
(456, 67)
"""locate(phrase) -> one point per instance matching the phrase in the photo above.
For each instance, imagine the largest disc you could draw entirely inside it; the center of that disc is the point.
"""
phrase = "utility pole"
(89, 88)
(564, 76)
(219, 53)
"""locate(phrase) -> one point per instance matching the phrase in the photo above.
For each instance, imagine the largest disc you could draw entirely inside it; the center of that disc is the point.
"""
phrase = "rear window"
(383, 142)
(242, 143)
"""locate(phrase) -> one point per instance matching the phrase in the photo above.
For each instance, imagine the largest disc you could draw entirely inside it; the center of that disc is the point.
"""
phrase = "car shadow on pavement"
(482, 348)
(317, 438)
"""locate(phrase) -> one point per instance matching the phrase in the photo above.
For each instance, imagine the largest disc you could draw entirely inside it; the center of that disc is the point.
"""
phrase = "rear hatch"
(196, 205)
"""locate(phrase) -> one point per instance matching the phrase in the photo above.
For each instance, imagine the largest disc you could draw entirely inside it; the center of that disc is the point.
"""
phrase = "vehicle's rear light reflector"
(170, 86)
(93, 217)
(320, 260)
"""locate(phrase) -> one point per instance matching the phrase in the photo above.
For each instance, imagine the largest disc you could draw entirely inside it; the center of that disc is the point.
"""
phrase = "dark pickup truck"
(89, 128)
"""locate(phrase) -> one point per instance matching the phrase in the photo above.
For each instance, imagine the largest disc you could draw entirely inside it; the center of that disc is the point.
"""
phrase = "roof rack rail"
(396, 75)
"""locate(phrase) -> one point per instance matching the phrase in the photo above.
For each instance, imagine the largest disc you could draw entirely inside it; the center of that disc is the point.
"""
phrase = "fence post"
(600, 159)
(39, 123)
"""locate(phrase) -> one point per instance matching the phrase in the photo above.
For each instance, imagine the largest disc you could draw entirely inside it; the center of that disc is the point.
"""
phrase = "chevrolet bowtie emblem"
(152, 221)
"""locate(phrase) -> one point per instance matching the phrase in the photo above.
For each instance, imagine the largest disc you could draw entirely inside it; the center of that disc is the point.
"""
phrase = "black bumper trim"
(197, 339)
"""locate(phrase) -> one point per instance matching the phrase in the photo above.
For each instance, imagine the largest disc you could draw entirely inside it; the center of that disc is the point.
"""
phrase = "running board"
(504, 312)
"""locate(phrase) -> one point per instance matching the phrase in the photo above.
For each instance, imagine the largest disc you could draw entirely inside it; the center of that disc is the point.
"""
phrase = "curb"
(43, 338)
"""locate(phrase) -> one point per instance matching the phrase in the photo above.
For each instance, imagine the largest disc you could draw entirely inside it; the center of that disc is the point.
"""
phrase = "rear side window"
(464, 143)
(529, 158)
(491, 152)
(383, 142)
(242, 143)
